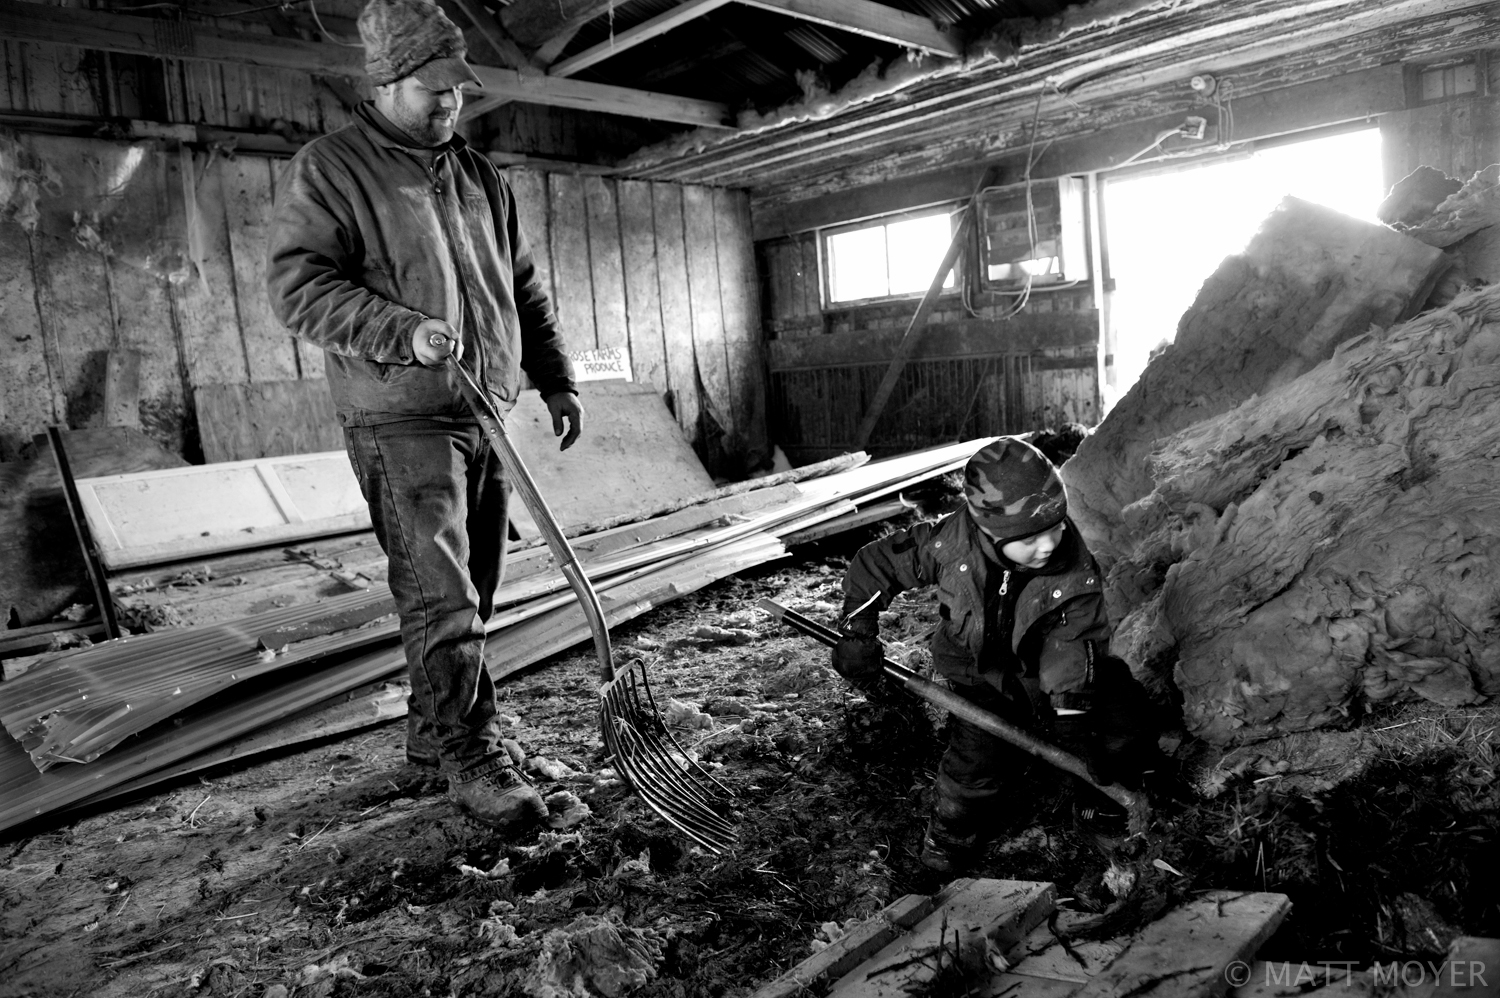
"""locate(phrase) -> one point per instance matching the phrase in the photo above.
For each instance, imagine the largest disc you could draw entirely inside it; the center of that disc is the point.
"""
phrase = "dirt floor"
(341, 870)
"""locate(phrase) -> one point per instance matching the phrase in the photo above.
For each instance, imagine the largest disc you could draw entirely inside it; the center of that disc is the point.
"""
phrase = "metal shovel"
(1135, 804)
(634, 734)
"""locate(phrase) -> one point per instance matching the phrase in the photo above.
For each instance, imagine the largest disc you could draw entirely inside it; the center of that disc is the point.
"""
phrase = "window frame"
(825, 268)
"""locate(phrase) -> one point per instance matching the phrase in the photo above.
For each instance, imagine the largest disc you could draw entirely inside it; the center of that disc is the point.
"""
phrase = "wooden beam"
(493, 32)
(631, 37)
(534, 22)
(33, 22)
(171, 39)
(874, 20)
(913, 334)
(563, 92)
(1346, 98)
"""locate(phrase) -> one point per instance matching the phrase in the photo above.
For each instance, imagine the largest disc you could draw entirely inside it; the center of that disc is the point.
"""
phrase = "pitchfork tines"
(647, 756)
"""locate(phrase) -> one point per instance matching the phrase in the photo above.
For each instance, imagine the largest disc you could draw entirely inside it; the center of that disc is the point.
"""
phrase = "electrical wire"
(326, 33)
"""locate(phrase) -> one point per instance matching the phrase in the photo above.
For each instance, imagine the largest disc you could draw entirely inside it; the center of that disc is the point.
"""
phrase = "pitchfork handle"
(955, 704)
(515, 469)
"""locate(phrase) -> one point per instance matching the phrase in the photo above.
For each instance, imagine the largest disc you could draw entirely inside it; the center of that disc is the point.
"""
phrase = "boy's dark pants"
(438, 503)
(974, 769)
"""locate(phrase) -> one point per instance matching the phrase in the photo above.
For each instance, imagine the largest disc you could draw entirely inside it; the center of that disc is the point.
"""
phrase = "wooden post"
(913, 334)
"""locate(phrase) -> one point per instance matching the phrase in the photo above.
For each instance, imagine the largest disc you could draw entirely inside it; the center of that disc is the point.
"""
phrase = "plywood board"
(158, 516)
(267, 419)
(631, 456)
(676, 307)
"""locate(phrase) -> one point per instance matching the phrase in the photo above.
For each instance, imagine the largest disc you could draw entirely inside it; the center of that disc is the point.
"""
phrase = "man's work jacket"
(371, 236)
(1059, 620)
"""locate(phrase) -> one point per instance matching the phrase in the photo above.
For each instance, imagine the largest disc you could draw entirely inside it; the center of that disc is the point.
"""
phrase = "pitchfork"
(634, 733)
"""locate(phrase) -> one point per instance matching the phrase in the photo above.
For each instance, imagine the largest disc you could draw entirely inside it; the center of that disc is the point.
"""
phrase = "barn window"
(889, 257)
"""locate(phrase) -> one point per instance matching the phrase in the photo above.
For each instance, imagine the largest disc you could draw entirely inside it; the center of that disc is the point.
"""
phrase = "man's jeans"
(438, 499)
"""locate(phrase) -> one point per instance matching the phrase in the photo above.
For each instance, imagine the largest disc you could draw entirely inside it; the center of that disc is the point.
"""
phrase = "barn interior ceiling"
(796, 99)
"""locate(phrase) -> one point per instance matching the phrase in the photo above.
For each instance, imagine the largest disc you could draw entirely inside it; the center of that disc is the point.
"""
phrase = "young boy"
(1023, 635)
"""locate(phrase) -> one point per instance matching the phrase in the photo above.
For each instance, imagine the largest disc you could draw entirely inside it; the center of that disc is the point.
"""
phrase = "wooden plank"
(1079, 961)
(606, 266)
(1027, 333)
(851, 949)
(873, 20)
(635, 35)
(532, 88)
(1184, 954)
(213, 351)
(122, 388)
(706, 307)
(648, 352)
(270, 350)
(268, 419)
(676, 307)
(999, 911)
(530, 188)
(740, 301)
(572, 274)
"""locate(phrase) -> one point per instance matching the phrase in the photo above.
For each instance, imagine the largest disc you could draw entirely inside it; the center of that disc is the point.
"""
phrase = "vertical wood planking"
(72, 280)
(648, 354)
(213, 350)
(707, 310)
(742, 334)
(530, 188)
(606, 265)
(571, 271)
(142, 222)
(270, 350)
(26, 401)
(676, 306)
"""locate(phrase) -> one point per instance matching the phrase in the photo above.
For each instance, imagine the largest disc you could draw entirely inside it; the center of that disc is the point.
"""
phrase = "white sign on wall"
(605, 364)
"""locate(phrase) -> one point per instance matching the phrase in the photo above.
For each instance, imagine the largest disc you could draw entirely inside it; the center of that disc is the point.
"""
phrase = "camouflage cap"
(1013, 490)
(413, 38)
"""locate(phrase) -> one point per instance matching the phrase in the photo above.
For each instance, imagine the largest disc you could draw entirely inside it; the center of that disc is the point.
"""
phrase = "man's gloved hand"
(857, 659)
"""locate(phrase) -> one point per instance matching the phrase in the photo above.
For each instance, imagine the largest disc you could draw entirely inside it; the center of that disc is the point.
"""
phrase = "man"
(395, 247)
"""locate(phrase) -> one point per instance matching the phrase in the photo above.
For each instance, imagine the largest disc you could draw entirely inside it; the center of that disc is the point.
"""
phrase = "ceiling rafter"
(863, 17)
(175, 39)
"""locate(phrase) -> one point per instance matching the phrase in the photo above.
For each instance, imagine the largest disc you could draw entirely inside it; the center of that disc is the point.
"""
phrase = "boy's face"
(1034, 551)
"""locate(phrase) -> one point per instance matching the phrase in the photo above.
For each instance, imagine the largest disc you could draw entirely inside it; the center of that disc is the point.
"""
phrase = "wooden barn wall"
(153, 254)
(974, 374)
(667, 272)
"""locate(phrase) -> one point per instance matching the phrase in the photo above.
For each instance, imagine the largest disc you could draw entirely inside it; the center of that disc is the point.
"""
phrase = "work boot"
(948, 854)
(502, 799)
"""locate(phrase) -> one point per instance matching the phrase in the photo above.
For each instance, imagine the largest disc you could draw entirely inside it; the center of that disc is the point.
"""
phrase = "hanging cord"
(326, 33)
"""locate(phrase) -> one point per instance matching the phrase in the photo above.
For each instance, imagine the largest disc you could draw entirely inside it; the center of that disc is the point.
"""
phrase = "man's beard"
(423, 129)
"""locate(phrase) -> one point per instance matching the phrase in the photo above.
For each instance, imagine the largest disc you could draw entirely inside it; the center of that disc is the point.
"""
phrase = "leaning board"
(632, 457)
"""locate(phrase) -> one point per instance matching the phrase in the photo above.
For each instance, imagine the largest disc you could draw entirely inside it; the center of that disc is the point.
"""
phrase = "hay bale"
(1310, 279)
(1333, 542)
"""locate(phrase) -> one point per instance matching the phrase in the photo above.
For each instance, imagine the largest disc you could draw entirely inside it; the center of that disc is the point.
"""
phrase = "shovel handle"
(515, 470)
(957, 705)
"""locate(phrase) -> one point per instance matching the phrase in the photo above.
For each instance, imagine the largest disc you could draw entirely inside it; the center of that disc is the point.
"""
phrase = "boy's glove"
(858, 659)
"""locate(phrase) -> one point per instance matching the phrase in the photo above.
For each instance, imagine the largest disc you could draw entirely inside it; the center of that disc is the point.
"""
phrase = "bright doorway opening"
(1168, 231)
